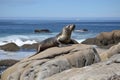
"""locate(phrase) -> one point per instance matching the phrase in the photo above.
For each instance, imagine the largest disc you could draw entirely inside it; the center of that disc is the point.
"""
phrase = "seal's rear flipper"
(64, 45)
(38, 51)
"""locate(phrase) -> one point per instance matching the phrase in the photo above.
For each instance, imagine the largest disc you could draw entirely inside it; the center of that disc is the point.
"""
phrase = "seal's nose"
(72, 26)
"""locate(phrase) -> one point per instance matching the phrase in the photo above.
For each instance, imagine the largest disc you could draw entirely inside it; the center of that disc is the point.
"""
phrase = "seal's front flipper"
(73, 42)
(38, 50)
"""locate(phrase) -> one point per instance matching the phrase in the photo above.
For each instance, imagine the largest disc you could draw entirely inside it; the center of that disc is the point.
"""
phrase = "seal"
(63, 38)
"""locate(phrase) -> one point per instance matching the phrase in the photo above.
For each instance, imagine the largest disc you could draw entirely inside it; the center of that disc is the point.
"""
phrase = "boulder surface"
(52, 61)
(107, 70)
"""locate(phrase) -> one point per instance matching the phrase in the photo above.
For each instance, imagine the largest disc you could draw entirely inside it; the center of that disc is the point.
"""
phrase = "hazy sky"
(60, 8)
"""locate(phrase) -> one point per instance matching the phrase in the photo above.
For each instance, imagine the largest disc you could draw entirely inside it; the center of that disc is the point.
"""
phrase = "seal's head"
(68, 29)
(71, 27)
(65, 35)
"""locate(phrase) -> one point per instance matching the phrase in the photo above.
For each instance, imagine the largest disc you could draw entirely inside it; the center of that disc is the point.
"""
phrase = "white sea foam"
(19, 42)
(24, 39)
(81, 40)
(17, 39)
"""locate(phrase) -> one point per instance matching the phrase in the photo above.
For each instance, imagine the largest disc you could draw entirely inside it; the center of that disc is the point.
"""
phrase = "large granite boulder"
(52, 61)
(105, 39)
(107, 70)
(10, 47)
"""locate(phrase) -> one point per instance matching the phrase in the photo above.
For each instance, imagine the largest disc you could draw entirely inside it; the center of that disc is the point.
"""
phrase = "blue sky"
(59, 8)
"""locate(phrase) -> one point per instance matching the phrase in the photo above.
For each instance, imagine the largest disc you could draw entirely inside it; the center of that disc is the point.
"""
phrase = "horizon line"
(61, 18)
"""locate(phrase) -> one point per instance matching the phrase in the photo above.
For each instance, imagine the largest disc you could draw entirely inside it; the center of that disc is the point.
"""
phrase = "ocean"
(21, 32)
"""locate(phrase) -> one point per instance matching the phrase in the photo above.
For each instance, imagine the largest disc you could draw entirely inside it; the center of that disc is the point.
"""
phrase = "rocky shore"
(104, 39)
(75, 62)
(4, 64)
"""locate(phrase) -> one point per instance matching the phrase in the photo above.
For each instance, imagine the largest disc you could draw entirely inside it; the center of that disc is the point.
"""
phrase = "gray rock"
(98, 71)
(4, 64)
(105, 39)
(110, 52)
(30, 46)
(52, 61)
(42, 31)
(10, 47)
(76, 62)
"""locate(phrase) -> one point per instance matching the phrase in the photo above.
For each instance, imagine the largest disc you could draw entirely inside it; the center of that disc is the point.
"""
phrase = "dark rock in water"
(30, 46)
(4, 64)
(8, 62)
(81, 30)
(85, 29)
(42, 31)
(10, 47)
(105, 39)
